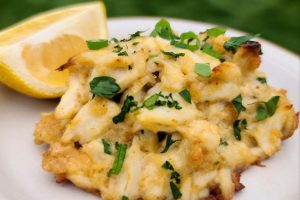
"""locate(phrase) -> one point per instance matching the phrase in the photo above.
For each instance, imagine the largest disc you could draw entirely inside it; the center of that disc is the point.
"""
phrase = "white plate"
(21, 175)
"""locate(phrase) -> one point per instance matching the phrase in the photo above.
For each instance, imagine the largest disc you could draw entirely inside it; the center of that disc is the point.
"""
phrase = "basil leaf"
(185, 94)
(237, 103)
(151, 101)
(186, 40)
(237, 130)
(129, 103)
(261, 113)
(176, 176)
(106, 147)
(173, 55)
(168, 166)
(223, 142)
(164, 30)
(125, 198)
(262, 80)
(203, 69)
(235, 42)
(96, 44)
(216, 31)
(244, 124)
(104, 86)
(175, 191)
(169, 142)
(119, 160)
(207, 48)
(272, 105)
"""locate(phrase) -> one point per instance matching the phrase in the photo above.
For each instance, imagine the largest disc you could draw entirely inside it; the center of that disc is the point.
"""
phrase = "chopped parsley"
(262, 80)
(118, 49)
(160, 100)
(123, 53)
(119, 160)
(169, 142)
(163, 29)
(216, 31)
(106, 147)
(135, 43)
(237, 126)
(124, 198)
(188, 40)
(185, 94)
(244, 124)
(115, 40)
(223, 142)
(267, 109)
(238, 104)
(207, 48)
(104, 86)
(235, 42)
(203, 69)
(132, 36)
(173, 55)
(175, 191)
(96, 44)
(168, 166)
(176, 176)
(128, 105)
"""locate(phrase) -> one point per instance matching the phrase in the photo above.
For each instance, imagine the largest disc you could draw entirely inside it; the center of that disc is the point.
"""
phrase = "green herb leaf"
(106, 147)
(175, 191)
(173, 55)
(115, 40)
(169, 142)
(244, 124)
(223, 142)
(261, 113)
(216, 31)
(164, 30)
(104, 86)
(129, 103)
(185, 94)
(135, 43)
(117, 49)
(207, 48)
(124, 53)
(262, 80)
(186, 41)
(237, 103)
(237, 130)
(124, 198)
(119, 160)
(96, 44)
(203, 69)
(272, 105)
(235, 42)
(176, 176)
(151, 101)
(168, 166)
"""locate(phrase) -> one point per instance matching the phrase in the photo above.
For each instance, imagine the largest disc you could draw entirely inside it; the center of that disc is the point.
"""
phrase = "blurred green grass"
(275, 20)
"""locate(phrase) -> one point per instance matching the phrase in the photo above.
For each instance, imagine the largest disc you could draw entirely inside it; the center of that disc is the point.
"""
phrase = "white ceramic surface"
(21, 175)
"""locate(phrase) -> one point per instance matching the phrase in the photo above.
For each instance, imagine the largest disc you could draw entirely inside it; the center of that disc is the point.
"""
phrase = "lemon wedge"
(31, 51)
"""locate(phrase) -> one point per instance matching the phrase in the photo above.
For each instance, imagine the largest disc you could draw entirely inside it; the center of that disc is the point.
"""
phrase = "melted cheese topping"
(80, 122)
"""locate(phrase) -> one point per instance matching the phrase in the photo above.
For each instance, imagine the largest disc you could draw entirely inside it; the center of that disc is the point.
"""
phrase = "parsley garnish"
(216, 31)
(132, 36)
(237, 102)
(106, 147)
(135, 43)
(262, 80)
(185, 94)
(223, 142)
(169, 142)
(207, 48)
(173, 55)
(235, 42)
(115, 40)
(129, 103)
(124, 53)
(119, 160)
(176, 176)
(203, 69)
(175, 191)
(164, 30)
(124, 198)
(118, 49)
(266, 109)
(237, 126)
(96, 44)
(186, 40)
(153, 101)
(167, 165)
(244, 124)
(104, 86)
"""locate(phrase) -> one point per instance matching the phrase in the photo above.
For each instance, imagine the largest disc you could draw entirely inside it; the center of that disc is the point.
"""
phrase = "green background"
(275, 20)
